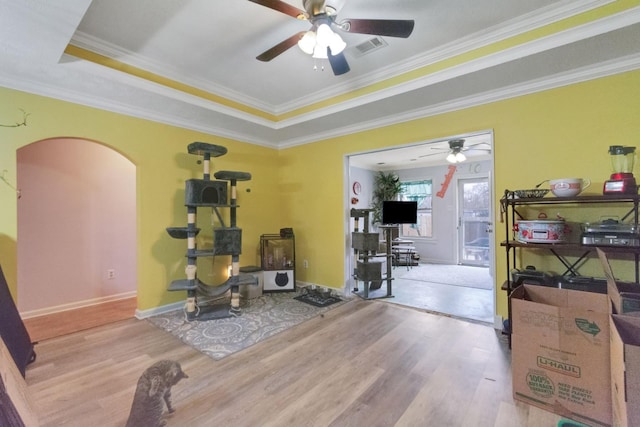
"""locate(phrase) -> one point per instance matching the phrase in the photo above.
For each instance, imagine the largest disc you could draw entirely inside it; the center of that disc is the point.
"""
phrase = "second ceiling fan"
(456, 148)
(320, 41)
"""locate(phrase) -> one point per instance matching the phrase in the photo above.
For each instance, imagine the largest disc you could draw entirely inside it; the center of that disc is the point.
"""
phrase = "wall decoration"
(357, 188)
(447, 181)
(3, 178)
(18, 124)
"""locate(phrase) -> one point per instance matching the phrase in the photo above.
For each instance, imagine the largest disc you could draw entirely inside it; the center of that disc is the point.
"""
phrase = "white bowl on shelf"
(568, 187)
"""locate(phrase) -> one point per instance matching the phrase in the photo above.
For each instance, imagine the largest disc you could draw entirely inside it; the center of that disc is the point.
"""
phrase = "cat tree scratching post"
(368, 265)
(235, 234)
(226, 240)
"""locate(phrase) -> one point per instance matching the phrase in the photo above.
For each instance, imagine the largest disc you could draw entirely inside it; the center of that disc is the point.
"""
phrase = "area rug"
(456, 275)
(261, 318)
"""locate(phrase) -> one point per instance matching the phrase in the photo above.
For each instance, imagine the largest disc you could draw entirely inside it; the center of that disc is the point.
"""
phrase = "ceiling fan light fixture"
(337, 45)
(324, 35)
(456, 157)
(316, 43)
(320, 52)
(308, 42)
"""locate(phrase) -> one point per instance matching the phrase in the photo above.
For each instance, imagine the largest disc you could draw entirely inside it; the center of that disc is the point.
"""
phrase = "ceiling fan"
(456, 148)
(320, 41)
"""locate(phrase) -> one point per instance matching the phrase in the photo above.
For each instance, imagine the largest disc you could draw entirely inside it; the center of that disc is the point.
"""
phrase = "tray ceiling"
(192, 63)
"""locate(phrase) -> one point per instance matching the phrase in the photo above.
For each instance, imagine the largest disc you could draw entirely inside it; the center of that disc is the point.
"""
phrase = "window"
(419, 191)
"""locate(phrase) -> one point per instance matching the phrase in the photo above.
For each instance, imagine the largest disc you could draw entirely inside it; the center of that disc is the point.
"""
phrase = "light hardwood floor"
(365, 363)
(66, 322)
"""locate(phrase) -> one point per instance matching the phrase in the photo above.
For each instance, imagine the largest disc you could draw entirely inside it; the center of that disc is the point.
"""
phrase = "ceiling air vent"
(369, 46)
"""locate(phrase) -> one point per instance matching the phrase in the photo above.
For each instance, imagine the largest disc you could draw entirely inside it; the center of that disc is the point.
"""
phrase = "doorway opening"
(454, 275)
(474, 221)
(77, 235)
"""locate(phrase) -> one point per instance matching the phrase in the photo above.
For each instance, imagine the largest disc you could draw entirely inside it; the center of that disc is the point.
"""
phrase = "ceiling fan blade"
(281, 47)
(338, 63)
(282, 7)
(433, 154)
(478, 143)
(379, 27)
(471, 148)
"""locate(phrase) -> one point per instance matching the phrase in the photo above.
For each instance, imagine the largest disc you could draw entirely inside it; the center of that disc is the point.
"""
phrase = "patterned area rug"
(261, 318)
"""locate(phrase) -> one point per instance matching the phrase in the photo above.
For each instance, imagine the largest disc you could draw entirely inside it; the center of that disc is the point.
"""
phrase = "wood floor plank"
(67, 322)
(338, 388)
(363, 363)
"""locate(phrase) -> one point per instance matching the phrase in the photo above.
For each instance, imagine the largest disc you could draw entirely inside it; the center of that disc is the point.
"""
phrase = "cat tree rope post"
(233, 178)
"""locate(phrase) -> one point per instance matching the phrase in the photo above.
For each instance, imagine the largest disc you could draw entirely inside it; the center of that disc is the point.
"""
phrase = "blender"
(622, 180)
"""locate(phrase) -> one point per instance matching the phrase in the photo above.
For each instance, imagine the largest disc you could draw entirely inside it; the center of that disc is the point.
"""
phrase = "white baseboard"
(75, 305)
(143, 314)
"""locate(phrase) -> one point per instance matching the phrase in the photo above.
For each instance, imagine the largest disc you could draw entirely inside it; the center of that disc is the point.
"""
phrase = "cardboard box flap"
(625, 296)
(560, 297)
(628, 328)
(541, 310)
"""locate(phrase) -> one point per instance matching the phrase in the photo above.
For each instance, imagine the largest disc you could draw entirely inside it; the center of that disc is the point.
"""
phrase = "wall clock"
(357, 188)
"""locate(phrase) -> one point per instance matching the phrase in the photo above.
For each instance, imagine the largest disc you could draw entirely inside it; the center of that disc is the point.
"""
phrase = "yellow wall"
(160, 155)
(553, 134)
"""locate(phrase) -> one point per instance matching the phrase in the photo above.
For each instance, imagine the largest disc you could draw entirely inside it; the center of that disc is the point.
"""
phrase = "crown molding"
(41, 79)
(528, 22)
(47, 86)
(486, 37)
(90, 43)
(563, 38)
(609, 68)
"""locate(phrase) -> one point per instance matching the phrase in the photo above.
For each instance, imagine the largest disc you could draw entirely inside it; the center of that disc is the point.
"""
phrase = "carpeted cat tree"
(227, 240)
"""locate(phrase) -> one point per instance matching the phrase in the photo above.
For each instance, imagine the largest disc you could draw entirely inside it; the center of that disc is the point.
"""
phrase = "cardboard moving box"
(625, 370)
(560, 352)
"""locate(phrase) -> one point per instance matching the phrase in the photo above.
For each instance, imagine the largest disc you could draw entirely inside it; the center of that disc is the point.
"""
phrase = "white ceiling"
(477, 147)
(210, 46)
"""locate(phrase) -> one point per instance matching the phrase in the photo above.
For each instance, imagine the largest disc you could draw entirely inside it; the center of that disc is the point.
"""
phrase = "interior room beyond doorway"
(456, 290)
(450, 246)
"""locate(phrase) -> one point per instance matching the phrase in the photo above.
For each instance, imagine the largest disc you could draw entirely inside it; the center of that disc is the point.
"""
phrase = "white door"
(474, 221)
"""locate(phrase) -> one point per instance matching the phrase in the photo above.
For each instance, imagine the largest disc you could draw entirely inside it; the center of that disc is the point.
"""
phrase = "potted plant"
(386, 186)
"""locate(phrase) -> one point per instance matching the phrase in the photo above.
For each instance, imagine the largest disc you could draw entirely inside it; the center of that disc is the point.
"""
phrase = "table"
(403, 249)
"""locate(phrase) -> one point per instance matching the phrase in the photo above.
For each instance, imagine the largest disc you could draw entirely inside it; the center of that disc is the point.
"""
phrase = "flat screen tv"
(396, 212)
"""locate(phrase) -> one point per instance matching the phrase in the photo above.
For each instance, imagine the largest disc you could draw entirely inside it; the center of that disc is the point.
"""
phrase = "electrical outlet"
(305, 263)
(111, 274)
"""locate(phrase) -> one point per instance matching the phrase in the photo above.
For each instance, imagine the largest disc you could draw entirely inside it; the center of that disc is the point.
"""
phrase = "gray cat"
(154, 388)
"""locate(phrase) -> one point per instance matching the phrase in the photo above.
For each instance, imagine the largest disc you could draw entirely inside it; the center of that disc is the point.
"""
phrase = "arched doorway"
(76, 225)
